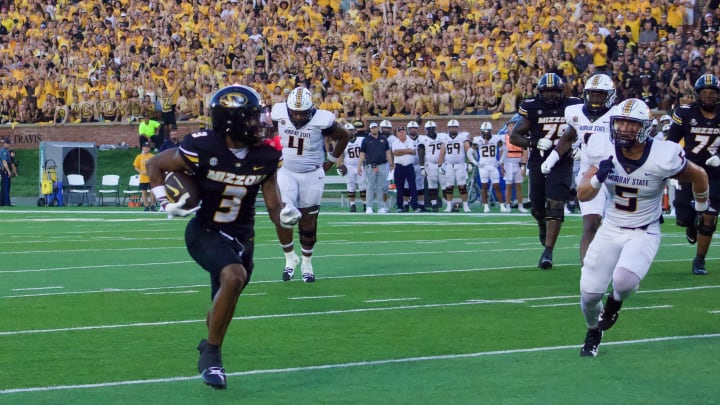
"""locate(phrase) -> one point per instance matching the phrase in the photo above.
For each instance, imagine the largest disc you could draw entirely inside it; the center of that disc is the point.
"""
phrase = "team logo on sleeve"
(213, 161)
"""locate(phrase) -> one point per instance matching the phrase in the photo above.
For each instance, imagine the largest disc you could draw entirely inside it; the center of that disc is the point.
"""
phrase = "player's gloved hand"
(544, 144)
(605, 167)
(176, 209)
(342, 170)
(289, 216)
(575, 153)
(441, 170)
(713, 161)
(423, 172)
(549, 162)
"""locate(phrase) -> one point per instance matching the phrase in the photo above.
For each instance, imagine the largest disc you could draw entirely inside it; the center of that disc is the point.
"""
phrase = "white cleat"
(307, 271)
(368, 210)
(448, 208)
(504, 208)
(466, 207)
(486, 208)
(383, 211)
(290, 264)
(522, 209)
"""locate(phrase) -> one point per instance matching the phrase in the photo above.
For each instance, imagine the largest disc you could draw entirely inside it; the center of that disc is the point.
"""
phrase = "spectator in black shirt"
(582, 58)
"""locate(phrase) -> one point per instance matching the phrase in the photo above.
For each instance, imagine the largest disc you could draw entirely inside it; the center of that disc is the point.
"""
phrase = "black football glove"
(342, 170)
(604, 169)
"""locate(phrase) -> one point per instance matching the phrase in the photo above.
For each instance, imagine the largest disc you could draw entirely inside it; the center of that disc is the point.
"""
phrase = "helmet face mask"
(412, 129)
(453, 128)
(385, 127)
(599, 93)
(707, 92)
(350, 128)
(430, 128)
(631, 123)
(300, 106)
(550, 89)
(237, 111)
(486, 130)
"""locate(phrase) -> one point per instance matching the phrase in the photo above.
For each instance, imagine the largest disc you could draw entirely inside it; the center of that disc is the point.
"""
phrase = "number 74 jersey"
(303, 148)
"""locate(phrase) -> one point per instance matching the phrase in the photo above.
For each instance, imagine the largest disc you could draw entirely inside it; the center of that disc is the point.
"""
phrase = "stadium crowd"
(89, 61)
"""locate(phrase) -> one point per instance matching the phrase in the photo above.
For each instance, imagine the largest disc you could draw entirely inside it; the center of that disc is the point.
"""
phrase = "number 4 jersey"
(303, 148)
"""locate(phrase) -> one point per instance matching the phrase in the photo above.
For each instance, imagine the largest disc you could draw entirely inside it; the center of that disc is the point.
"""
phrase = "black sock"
(211, 348)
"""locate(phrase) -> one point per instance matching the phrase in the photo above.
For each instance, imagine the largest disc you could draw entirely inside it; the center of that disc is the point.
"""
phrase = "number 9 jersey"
(304, 147)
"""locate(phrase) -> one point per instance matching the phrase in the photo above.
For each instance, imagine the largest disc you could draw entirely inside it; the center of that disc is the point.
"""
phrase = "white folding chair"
(76, 185)
(133, 188)
(110, 187)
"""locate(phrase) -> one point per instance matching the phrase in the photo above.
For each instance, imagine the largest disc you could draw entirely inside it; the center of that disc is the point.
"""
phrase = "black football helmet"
(708, 101)
(237, 111)
(550, 89)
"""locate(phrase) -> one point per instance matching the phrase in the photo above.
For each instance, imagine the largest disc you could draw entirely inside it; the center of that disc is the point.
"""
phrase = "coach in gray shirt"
(374, 158)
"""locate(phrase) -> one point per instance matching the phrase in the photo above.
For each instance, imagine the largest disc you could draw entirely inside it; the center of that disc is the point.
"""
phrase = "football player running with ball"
(697, 125)
(303, 130)
(633, 169)
(229, 163)
(544, 118)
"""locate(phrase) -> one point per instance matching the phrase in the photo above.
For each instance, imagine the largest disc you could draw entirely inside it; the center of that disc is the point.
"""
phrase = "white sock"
(289, 258)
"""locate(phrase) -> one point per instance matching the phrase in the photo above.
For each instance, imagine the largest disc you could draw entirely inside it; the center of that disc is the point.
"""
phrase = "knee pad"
(363, 193)
(433, 193)
(448, 190)
(462, 189)
(351, 194)
(707, 229)
(308, 237)
(539, 215)
(555, 210)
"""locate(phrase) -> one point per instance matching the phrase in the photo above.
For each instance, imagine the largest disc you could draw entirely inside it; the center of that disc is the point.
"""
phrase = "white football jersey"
(575, 117)
(303, 148)
(417, 141)
(635, 188)
(490, 150)
(352, 152)
(455, 147)
(432, 148)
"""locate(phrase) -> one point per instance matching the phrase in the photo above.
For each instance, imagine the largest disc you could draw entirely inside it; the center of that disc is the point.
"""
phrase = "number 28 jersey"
(303, 148)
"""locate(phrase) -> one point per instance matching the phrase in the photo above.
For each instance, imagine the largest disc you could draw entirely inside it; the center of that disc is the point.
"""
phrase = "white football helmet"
(348, 126)
(599, 93)
(385, 124)
(412, 124)
(300, 106)
(486, 130)
(430, 124)
(453, 123)
(634, 110)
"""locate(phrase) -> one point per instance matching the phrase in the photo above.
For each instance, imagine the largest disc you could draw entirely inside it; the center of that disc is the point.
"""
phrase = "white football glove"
(544, 144)
(289, 216)
(423, 172)
(575, 153)
(549, 162)
(176, 209)
(713, 161)
(441, 170)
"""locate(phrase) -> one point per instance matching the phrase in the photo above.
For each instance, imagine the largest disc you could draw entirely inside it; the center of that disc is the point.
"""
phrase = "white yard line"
(38, 288)
(393, 299)
(317, 297)
(354, 364)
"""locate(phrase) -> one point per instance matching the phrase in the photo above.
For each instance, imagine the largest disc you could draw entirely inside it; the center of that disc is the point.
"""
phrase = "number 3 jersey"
(700, 135)
(228, 184)
(635, 187)
(303, 148)
(546, 121)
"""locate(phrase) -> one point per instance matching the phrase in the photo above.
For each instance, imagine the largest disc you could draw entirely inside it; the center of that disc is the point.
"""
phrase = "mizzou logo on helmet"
(233, 100)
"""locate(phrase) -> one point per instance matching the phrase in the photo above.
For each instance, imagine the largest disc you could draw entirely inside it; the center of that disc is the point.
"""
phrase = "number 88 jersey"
(303, 148)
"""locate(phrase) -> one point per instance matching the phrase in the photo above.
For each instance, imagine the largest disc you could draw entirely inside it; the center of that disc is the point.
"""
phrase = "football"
(179, 183)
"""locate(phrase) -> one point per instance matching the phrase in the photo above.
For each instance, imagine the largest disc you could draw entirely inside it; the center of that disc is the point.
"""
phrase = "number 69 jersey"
(303, 148)
(227, 183)
(635, 187)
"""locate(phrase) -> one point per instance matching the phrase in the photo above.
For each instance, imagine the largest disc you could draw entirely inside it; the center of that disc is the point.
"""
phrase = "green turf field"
(106, 306)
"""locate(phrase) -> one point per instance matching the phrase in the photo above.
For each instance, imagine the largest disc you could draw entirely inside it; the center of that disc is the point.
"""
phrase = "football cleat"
(353, 208)
(610, 313)
(466, 207)
(368, 210)
(698, 266)
(691, 234)
(383, 211)
(545, 262)
(522, 209)
(592, 341)
(307, 272)
(486, 208)
(289, 271)
(215, 377)
(448, 208)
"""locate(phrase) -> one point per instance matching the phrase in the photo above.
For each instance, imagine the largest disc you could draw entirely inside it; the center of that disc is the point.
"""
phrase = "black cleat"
(545, 262)
(210, 367)
(592, 341)
(215, 377)
(698, 267)
(691, 234)
(353, 208)
(610, 313)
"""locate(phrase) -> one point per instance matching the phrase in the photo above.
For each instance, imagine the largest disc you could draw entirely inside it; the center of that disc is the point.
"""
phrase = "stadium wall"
(29, 136)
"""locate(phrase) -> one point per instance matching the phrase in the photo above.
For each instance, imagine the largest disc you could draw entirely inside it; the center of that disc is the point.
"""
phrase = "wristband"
(159, 192)
(701, 206)
(331, 158)
(595, 183)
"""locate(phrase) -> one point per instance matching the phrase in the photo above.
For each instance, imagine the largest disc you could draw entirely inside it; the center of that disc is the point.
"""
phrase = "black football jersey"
(701, 136)
(228, 186)
(547, 121)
